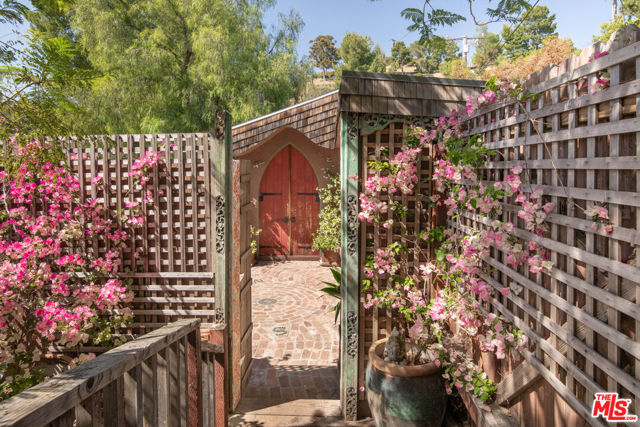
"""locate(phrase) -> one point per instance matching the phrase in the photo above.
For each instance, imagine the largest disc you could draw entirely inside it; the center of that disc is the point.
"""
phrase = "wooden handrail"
(58, 398)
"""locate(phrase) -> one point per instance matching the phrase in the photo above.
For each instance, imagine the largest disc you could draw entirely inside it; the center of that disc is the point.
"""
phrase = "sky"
(577, 19)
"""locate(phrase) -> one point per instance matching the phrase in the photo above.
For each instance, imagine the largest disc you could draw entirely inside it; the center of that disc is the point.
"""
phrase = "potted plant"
(441, 305)
(327, 238)
(404, 388)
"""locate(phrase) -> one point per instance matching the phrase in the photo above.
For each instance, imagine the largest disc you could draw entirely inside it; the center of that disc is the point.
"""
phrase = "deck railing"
(154, 380)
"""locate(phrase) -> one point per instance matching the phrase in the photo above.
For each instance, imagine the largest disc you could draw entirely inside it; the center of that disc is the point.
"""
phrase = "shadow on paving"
(283, 383)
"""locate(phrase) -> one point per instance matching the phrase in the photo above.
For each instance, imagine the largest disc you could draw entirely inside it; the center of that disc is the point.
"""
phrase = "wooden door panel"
(305, 206)
(274, 206)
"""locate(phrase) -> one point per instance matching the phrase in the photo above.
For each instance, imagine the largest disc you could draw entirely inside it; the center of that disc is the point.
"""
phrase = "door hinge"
(311, 194)
(261, 196)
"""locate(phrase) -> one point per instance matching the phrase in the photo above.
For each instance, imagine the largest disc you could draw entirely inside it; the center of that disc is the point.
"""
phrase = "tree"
(324, 54)
(536, 24)
(379, 63)
(427, 19)
(629, 15)
(11, 13)
(553, 51)
(429, 55)
(34, 87)
(457, 69)
(488, 50)
(168, 65)
(357, 52)
(400, 54)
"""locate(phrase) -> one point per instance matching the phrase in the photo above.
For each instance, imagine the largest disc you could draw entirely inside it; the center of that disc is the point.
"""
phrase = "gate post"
(221, 186)
(349, 286)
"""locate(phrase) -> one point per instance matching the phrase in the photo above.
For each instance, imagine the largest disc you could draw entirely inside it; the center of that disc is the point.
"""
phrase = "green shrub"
(328, 236)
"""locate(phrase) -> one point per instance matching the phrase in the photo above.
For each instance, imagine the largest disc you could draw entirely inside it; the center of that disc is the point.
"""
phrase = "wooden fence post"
(349, 161)
(194, 379)
(221, 170)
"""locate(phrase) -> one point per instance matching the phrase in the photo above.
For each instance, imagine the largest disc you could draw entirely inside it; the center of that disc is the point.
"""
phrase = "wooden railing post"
(220, 382)
(194, 379)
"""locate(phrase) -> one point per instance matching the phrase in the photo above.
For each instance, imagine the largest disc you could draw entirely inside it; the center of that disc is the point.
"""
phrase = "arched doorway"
(288, 205)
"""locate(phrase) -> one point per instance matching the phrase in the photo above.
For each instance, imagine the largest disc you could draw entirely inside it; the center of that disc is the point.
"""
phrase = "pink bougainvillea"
(460, 258)
(53, 289)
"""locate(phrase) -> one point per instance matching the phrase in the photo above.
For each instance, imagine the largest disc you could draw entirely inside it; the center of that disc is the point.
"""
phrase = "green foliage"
(329, 228)
(629, 15)
(333, 290)
(323, 53)
(536, 24)
(429, 55)
(471, 151)
(400, 54)
(255, 234)
(425, 21)
(359, 54)
(457, 69)
(433, 235)
(379, 63)
(11, 13)
(34, 88)
(488, 50)
(168, 66)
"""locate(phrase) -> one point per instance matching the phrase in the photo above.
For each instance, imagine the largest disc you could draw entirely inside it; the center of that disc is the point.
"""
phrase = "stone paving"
(295, 340)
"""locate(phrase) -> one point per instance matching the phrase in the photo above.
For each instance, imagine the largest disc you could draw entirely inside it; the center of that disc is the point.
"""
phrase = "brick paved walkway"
(295, 341)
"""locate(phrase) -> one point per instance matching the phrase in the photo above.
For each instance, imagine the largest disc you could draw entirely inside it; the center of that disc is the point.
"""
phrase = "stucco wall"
(320, 159)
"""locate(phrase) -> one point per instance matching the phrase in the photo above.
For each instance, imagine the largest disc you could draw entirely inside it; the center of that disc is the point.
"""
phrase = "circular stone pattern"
(267, 301)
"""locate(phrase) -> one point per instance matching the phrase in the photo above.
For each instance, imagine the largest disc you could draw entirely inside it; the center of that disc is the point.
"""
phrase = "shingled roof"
(403, 95)
(359, 92)
(315, 118)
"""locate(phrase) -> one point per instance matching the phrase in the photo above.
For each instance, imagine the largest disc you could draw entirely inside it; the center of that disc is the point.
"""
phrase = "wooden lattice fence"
(583, 317)
(171, 260)
(381, 137)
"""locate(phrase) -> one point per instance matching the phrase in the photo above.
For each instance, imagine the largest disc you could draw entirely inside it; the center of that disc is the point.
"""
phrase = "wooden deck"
(302, 412)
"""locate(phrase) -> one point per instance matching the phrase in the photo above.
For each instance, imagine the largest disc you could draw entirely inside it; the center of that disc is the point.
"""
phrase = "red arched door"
(288, 205)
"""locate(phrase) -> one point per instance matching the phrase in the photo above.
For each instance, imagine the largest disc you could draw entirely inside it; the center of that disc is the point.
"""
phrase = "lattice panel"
(169, 259)
(382, 145)
(584, 316)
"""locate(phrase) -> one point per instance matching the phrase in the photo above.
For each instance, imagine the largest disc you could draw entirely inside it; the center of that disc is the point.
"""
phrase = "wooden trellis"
(171, 260)
(583, 317)
(381, 137)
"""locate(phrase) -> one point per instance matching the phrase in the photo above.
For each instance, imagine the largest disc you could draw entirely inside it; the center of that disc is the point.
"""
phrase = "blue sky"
(577, 19)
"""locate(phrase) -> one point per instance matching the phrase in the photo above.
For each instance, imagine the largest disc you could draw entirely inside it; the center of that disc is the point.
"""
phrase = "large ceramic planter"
(404, 395)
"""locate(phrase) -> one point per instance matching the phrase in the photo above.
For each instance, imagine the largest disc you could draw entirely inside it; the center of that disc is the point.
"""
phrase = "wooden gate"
(289, 205)
(194, 247)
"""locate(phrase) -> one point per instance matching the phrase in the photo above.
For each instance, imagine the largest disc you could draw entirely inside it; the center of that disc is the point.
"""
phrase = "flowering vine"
(456, 313)
(54, 289)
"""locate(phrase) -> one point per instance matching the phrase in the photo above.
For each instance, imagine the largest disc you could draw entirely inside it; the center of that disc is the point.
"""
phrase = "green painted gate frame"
(349, 286)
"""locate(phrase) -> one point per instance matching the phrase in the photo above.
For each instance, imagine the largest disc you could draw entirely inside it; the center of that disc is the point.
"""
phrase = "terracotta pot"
(404, 395)
(329, 258)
